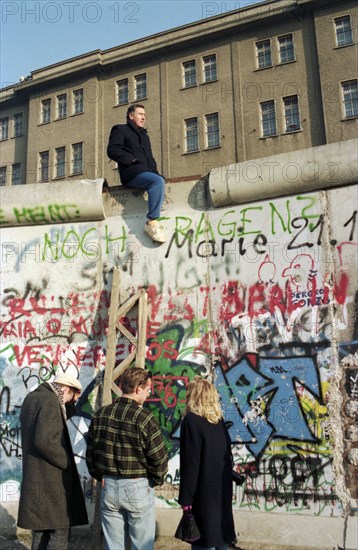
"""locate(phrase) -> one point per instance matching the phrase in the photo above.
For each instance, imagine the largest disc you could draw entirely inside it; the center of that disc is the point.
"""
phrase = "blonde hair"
(202, 399)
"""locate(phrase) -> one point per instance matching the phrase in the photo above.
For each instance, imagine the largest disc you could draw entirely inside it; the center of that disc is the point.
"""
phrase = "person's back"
(206, 467)
(126, 452)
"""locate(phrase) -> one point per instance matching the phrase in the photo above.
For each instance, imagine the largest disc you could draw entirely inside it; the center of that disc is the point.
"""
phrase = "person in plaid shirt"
(126, 452)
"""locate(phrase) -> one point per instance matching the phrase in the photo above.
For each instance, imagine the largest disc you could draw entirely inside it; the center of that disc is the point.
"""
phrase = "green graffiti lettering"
(311, 203)
(181, 228)
(84, 248)
(231, 227)
(204, 227)
(48, 245)
(285, 225)
(121, 239)
(246, 221)
(31, 215)
(60, 212)
(72, 247)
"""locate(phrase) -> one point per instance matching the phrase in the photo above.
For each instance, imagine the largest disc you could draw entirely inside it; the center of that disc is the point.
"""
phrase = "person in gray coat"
(51, 499)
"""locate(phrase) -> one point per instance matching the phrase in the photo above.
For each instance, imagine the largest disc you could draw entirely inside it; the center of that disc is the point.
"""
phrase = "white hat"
(68, 380)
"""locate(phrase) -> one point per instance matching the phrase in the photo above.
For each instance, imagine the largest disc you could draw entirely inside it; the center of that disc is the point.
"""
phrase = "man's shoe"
(155, 233)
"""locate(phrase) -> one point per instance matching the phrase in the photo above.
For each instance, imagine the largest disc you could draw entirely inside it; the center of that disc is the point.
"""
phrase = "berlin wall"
(261, 297)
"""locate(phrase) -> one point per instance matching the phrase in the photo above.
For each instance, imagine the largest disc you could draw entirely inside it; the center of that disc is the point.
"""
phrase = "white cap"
(68, 380)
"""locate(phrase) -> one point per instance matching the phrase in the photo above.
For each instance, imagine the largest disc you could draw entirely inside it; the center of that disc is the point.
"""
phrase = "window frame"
(3, 175)
(136, 87)
(215, 132)
(44, 168)
(210, 68)
(195, 136)
(291, 128)
(45, 110)
(352, 100)
(343, 32)
(60, 162)
(4, 128)
(61, 106)
(118, 83)
(74, 160)
(16, 171)
(77, 105)
(188, 82)
(286, 49)
(264, 55)
(269, 119)
(18, 124)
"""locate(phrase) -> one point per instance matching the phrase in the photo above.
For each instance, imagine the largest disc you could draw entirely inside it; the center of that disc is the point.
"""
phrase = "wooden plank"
(112, 372)
(126, 333)
(142, 331)
(123, 365)
(116, 390)
(124, 308)
(111, 336)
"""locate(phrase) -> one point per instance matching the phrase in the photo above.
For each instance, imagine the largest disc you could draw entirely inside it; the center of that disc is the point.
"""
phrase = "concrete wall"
(260, 296)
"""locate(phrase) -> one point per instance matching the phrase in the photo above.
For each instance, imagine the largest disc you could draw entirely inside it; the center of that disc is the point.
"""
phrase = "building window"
(263, 53)
(4, 128)
(44, 165)
(77, 160)
(291, 113)
(189, 73)
(350, 98)
(45, 111)
(140, 86)
(344, 33)
(16, 174)
(78, 102)
(60, 162)
(268, 118)
(122, 92)
(2, 175)
(285, 48)
(212, 130)
(210, 69)
(191, 135)
(62, 106)
(18, 124)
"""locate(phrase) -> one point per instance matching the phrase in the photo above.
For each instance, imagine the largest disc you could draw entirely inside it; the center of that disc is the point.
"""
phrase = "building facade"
(269, 78)
(256, 286)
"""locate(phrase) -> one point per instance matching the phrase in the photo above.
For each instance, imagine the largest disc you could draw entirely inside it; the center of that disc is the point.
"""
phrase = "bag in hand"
(238, 478)
(187, 529)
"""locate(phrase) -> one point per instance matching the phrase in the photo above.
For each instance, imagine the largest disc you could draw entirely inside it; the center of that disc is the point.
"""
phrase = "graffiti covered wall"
(260, 297)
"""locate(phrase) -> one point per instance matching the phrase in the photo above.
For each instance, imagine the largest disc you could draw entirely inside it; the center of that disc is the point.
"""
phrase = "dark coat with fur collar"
(51, 493)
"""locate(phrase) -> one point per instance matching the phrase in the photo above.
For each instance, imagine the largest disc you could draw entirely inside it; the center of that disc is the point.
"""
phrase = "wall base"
(264, 531)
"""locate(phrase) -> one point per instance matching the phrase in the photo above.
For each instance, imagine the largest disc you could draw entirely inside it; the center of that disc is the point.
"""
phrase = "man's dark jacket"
(51, 494)
(130, 147)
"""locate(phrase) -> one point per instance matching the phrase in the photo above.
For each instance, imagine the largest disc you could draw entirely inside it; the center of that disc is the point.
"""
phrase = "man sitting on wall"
(129, 146)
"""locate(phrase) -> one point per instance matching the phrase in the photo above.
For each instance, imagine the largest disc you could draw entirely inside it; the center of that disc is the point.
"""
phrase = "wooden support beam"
(113, 371)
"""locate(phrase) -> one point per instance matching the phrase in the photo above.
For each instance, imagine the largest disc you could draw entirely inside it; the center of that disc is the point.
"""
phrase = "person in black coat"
(206, 467)
(51, 498)
(129, 146)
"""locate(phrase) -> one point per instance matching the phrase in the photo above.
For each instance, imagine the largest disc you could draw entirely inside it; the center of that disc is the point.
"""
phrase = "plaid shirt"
(125, 440)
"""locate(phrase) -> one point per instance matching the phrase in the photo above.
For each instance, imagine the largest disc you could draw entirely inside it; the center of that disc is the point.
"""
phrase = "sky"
(35, 34)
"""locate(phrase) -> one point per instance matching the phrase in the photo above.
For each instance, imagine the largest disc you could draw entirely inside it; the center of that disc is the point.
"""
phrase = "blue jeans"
(50, 539)
(154, 184)
(128, 507)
